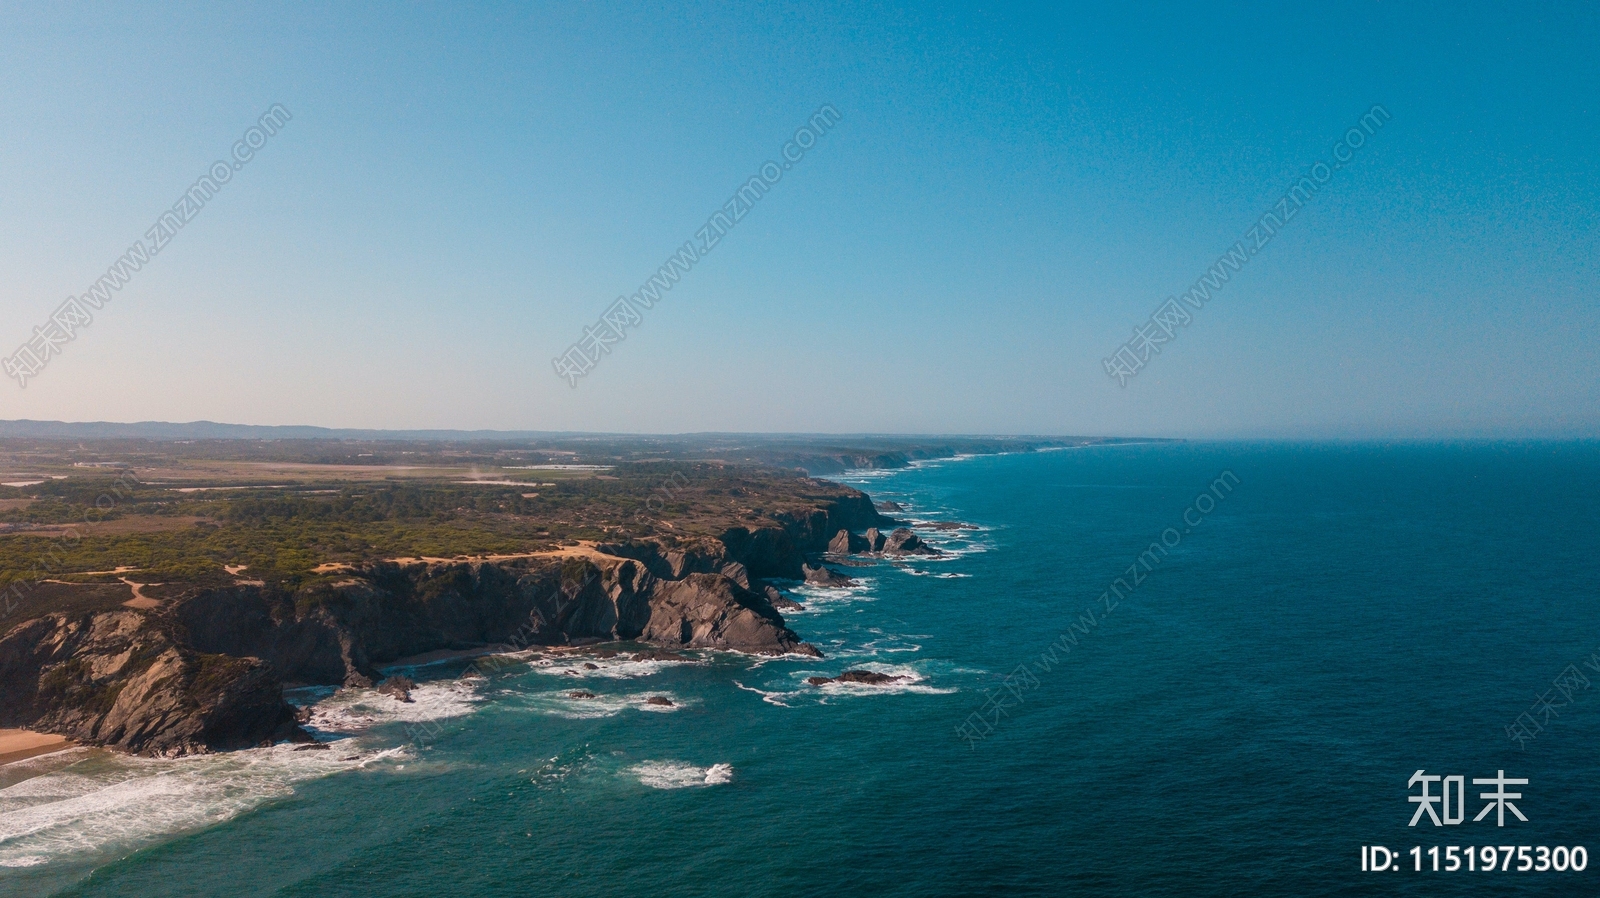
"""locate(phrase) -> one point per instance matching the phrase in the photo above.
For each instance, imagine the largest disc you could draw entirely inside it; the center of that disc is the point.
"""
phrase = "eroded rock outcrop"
(115, 679)
(736, 572)
(874, 540)
(825, 576)
(779, 601)
(846, 543)
(711, 611)
(903, 542)
(397, 688)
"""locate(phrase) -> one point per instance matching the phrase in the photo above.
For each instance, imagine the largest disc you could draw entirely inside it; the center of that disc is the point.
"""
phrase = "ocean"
(1155, 669)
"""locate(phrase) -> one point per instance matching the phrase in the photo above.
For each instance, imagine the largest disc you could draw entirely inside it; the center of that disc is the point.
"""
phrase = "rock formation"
(777, 600)
(903, 542)
(866, 677)
(398, 688)
(205, 670)
(824, 576)
(115, 679)
(874, 540)
(846, 543)
(711, 611)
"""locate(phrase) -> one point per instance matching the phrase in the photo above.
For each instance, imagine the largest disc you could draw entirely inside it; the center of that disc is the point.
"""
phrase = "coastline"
(707, 590)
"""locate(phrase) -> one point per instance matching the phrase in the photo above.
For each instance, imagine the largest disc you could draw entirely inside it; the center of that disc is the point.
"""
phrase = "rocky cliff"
(120, 679)
(206, 669)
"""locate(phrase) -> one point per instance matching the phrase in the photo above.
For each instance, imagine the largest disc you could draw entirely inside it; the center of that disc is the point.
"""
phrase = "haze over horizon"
(1006, 194)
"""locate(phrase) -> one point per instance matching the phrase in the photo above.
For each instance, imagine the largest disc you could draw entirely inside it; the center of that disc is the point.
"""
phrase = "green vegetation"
(283, 529)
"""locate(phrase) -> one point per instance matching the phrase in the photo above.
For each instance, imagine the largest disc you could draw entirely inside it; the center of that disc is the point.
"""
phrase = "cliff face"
(120, 680)
(205, 671)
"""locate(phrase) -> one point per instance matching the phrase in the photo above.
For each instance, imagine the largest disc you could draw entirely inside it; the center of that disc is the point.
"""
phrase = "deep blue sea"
(1239, 716)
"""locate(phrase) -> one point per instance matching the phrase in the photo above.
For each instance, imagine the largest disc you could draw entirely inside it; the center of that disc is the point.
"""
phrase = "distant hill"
(210, 430)
(813, 453)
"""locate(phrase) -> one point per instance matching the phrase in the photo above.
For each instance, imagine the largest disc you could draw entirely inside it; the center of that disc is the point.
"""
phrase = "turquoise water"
(1243, 719)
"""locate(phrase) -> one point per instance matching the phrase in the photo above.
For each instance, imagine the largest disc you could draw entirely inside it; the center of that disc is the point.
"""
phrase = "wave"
(556, 770)
(117, 803)
(771, 698)
(819, 598)
(350, 711)
(679, 774)
(891, 645)
(947, 575)
(618, 668)
(565, 704)
(913, 682)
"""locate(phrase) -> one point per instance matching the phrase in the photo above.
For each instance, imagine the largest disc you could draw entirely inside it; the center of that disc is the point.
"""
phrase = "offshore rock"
(398, 688)
(846, 543)
(865, 677)
(874, 540)
(903, 542)
(825, 576)
(781, 602)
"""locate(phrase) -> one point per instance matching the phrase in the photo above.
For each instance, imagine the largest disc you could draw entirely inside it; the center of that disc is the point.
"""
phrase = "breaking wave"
(115, 803)
(350, 711)
(679, 775)
(618, 668)
(574, 705)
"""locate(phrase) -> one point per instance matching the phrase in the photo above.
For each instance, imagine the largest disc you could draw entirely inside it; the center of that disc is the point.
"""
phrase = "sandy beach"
(17, 745)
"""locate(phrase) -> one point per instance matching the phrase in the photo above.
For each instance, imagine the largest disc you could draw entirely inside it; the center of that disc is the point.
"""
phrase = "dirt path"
(140, 600)
(584, 549)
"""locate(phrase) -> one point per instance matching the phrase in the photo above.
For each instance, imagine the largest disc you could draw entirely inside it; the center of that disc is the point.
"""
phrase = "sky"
(1007, 193)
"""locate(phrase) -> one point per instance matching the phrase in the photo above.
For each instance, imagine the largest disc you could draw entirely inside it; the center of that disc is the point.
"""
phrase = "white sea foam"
(953, 547)
(945, 575)
(563, 704)
(819, 598)
(354, 710)
(679, 774)
(771, 698)
(890, 644)
(618, 668)
(116, 803)
(913, 681)
(936, 531)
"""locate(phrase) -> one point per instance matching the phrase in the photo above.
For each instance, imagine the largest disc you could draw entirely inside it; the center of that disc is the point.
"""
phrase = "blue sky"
(1008, 193)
